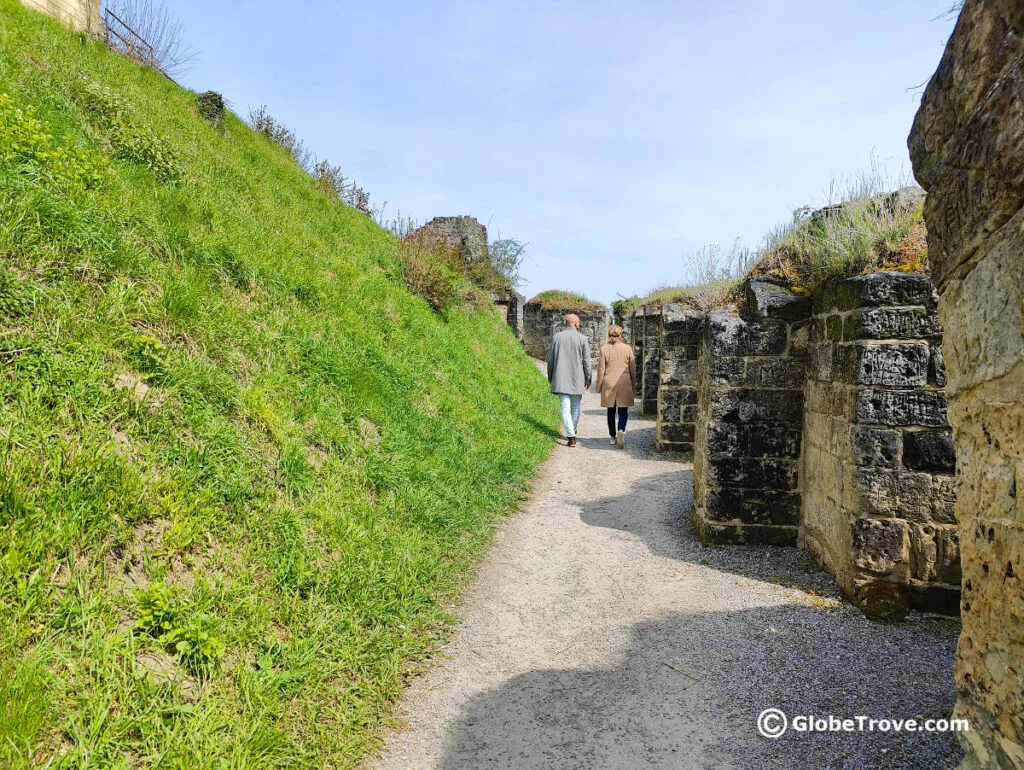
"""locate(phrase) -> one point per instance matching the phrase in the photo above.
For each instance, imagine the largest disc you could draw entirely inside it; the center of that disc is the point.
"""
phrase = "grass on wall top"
(556, 299)
(243, 471)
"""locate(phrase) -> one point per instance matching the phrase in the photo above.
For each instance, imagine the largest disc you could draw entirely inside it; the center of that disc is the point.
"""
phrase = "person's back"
(569, 372)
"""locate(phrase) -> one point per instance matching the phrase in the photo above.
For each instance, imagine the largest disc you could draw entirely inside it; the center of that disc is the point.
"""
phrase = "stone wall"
(540, 325)
(681, 330)
(877, 460)
(967, 147)
(649, 366)
(637, 328)
(81, 15)
(510, 308)
(463, 233)
(750, 374)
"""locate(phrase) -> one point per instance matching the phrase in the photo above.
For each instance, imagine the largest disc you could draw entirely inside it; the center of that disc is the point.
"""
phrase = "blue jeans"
(570, 413)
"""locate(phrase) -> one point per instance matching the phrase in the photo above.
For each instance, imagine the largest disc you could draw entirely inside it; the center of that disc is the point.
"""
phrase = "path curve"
(600, 633)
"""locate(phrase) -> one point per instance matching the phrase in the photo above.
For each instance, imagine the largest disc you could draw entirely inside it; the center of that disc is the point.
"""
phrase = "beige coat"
(616, 375)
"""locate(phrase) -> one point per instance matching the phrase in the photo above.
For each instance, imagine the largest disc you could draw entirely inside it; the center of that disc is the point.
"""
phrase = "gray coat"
(569, 363)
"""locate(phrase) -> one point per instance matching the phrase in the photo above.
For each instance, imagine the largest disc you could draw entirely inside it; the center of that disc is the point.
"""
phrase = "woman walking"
(616, 380)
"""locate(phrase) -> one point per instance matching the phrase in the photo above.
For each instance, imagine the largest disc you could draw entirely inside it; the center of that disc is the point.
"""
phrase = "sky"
(616, 140)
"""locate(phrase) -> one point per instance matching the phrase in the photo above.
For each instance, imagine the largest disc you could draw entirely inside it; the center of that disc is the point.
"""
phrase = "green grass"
(865, 233)
(556, 299)
(243, 470)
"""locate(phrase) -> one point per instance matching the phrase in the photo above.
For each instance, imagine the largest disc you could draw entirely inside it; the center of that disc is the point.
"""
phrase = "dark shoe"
(572, 441)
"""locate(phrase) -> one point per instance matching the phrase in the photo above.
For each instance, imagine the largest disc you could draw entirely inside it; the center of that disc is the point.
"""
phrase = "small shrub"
(211, 107)
(178, 629)
(262, 121)
(430, 271)
(129, 139)
(148, 354)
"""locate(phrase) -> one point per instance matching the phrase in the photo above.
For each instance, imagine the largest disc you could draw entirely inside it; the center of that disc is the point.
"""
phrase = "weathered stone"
(924, 551)
(929, 451)
(943, 499)
(882, 600)
(717, 533)
(967, 147)
(875, 446)
(881, 323)
(751, 404)
(770, 300)
(893, 364)
(877, 491)
(937, 367)
(753, 440)
(967, 137)
(774, 373)
(754, 506)
(880, 545)
(752, 472)
(464, 234)
(886, 288)
(914, 490)
(901, 407)
(727, 372)
(731, 335)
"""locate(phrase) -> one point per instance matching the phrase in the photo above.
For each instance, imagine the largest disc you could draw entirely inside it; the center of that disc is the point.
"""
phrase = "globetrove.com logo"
(773, 723)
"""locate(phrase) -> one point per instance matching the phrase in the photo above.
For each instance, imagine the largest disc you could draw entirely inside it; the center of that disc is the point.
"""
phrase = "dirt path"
(600, 633)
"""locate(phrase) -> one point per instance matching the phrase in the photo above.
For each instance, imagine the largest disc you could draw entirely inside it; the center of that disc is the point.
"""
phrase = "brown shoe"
(572, 441)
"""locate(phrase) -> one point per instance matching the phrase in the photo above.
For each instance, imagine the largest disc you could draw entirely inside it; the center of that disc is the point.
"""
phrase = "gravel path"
(600, 633)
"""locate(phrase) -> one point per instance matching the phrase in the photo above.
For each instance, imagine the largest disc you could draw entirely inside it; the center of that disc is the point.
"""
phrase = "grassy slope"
(317, 464)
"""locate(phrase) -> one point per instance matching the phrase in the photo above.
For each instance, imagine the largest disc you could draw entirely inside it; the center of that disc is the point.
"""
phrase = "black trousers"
(623, 416)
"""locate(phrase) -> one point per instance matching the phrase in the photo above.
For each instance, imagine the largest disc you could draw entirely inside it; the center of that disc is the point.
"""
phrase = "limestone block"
(753, 472)
(775, 373)
(750, 404)
(727, 372)
(892, 364)
(770, 300)
(881, 546)
(880, 323)
(967, 139)
(983, 313)
(929, 450)
(875, 491)
(886, 288)
(731, 335)
(875, 446)
(901, 408)
(754, 506)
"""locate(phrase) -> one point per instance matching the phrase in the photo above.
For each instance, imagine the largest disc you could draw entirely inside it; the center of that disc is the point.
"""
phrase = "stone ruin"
(540, 324)
(510, 308)
(820, 424)
(967, 147)
(463, 233)
(468, 237)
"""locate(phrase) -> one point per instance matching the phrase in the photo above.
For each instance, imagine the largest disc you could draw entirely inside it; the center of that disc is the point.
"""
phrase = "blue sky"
(612, 138)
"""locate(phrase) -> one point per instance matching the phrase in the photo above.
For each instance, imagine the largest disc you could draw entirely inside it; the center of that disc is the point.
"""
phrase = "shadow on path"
(690, 687)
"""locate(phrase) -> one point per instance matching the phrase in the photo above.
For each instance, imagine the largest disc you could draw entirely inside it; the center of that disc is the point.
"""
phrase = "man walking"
(569, 372)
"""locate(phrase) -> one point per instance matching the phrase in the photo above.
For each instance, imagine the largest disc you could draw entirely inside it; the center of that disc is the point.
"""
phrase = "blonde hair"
(614, 333)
